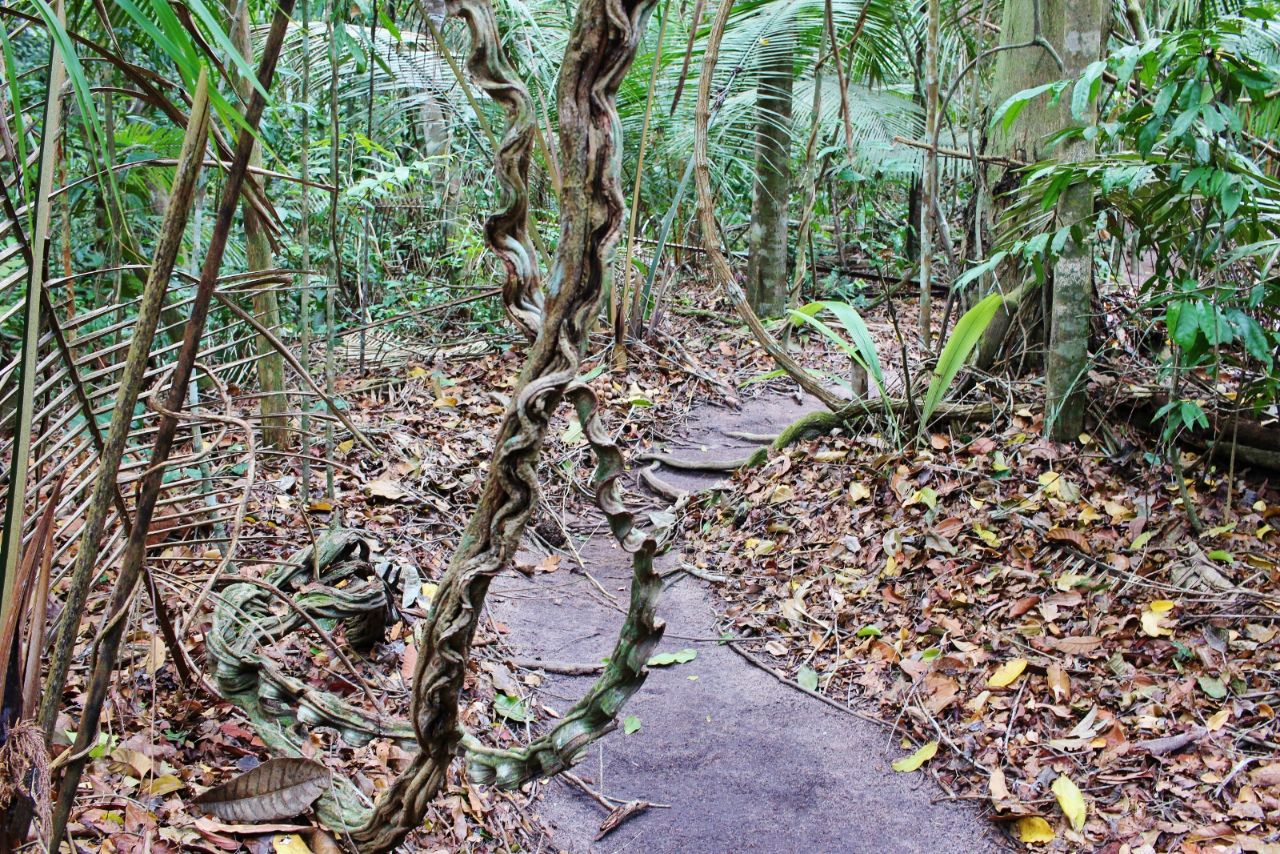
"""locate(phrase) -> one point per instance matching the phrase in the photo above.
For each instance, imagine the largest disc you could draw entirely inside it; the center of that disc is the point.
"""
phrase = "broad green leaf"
(859, 334)
(807, 678)
(512, 708)
(631, 725)
(666, 659)
(966, 335)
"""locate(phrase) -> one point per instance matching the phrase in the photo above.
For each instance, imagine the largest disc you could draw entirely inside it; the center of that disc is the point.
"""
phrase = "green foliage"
(966, 335)
(1181, 133)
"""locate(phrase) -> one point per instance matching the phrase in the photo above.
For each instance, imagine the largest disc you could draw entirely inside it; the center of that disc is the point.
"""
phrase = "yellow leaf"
(829, 456)
(858, 492)
(1088, 514)
(913, 762)
(1155, 622)
(1118, 511)
(925, 495)
(1033, 828)
(345, 447)
(1051, 481)
(1217, 720)
(1071, 801)
(289, 843)
(164, 784)
(782, 494)
(988, 537)
(1007, 673)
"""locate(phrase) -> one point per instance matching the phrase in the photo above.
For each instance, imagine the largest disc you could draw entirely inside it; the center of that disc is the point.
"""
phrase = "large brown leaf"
(276, 789)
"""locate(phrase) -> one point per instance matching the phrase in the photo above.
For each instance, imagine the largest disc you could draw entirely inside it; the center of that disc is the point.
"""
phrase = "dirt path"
(746, 763)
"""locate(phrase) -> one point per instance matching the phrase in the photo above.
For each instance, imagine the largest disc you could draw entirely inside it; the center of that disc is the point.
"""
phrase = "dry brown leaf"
(276, 789)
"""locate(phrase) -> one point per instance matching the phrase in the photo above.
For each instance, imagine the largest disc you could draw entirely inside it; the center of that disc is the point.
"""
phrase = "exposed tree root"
(754, 459)
(821, 423)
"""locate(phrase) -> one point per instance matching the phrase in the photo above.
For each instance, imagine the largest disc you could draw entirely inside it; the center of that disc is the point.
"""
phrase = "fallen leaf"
(807, 678)
(1067, 535)
(276, 789)
(1156, 621)
(1217, 720)
(1007, 673)
(289, 843)
(630, 725)
(998, 786)
(1059, 683)
(388, 489)
(1076, 645)
(1033, 828)
(913, 762)
(1071, 801)
(164, 784)
(782, 494)
(666, 659)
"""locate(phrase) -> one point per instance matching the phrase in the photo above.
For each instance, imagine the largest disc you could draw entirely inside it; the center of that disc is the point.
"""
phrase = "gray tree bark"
(767, 265)
(266, 305)
(1072, 31)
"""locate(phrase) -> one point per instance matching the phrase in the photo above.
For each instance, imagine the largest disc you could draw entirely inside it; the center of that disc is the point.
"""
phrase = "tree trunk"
(1074, 31)
(767, 266)
(1067, 360)
(266, 306)
(929, 181)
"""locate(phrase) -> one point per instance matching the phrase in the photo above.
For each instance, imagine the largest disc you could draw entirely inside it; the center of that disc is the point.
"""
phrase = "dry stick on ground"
(149, 491)
(133, 374)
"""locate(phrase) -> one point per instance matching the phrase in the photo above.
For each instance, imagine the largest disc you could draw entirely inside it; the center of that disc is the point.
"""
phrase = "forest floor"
(888, 643)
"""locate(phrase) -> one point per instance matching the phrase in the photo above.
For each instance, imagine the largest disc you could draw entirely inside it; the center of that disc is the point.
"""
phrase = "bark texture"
(1038, 34)
(767, 265)
(273, 403)
(1067, 359)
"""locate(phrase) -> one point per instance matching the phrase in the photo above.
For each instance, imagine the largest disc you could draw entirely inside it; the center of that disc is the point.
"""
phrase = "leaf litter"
(1097, 674)
(1041, 626)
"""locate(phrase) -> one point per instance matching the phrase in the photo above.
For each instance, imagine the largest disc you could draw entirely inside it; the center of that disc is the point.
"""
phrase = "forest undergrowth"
(1040, 626)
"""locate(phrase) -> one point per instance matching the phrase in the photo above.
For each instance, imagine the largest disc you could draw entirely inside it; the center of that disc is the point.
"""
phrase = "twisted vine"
(275, 702)
(507, 230)
(600, 50)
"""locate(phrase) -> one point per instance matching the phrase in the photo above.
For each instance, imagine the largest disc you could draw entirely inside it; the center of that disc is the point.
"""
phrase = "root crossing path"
(745, 762)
